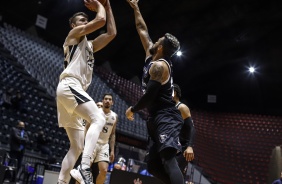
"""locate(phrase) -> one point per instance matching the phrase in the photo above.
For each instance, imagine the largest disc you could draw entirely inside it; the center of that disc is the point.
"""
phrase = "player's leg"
(94, 164)
(76, 138)
(168, 136)
(102, 158)
(90, 112)
(103, 169)
(171, 166)
(155, 167)
(95, 170)
(182, 163)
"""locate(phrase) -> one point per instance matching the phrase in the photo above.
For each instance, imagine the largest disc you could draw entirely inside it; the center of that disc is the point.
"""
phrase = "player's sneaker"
(76, 175)
(82, 176)
(61, 182)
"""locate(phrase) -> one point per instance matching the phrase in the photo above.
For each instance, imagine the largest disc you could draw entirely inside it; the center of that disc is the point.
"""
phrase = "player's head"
(21, 125)
(177, 91)
(79, 18)
(99, 104)
(168, 45)
(107, 100)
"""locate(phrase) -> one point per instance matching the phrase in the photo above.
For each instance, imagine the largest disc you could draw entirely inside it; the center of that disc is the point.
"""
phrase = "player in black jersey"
(187, 133)
(165, 121)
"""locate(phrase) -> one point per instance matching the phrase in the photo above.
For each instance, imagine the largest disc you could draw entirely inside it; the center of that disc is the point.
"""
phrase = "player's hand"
(189, 154)
(133, 3)
(92, 4)
(129, 114)
(137, 181)
(112, 157)
(107, 5)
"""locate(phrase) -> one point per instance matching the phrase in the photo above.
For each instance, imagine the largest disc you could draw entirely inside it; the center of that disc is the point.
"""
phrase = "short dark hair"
(107, 94)
(177, 90)
(170, 45)
(72, 19)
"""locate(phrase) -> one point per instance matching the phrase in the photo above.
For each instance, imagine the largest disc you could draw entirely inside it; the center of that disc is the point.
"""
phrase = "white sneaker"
(76, 175)
(61, 182)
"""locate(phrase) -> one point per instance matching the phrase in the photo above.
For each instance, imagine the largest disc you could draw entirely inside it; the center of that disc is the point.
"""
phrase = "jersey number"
(105, 129)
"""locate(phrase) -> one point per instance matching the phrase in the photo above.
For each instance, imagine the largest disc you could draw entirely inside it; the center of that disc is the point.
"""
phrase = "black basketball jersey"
(165, 95)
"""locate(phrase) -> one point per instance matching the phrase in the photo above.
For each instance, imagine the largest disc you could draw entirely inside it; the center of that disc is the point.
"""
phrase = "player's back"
(164, 98)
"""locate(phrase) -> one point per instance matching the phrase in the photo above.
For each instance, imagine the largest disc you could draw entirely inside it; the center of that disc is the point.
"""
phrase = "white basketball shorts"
(101, 153)
(70, 94)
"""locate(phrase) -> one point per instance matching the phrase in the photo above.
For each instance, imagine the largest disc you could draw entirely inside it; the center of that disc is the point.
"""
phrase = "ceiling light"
(178, 53)
(252, 69)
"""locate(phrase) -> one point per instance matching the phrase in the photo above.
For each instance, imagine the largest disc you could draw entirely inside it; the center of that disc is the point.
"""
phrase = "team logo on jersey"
(106, 155)
(109, 123)
(162, 138)
(90, 57)
(90, 63)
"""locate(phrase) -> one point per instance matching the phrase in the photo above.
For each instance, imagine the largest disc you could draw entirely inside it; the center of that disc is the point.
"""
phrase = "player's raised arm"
(141, 27)
(82, 27)
(105, 38)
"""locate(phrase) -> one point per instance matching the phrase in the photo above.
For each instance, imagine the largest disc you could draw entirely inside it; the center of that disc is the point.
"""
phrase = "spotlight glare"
(179, 53)
(251, 69)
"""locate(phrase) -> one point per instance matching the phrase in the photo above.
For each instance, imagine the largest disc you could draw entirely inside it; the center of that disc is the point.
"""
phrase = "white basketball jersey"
(79, 62)
(104, 136)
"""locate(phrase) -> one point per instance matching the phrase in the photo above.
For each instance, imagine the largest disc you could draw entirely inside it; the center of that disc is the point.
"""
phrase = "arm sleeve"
(188, 122)
(151, 93)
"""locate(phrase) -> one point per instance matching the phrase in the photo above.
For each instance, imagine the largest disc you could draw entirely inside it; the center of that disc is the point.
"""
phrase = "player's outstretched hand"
(133, 3)
(129, 114)
(107, 5)
(91, 4)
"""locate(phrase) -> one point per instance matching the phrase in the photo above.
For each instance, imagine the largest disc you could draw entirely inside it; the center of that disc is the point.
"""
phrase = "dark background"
(219, 39)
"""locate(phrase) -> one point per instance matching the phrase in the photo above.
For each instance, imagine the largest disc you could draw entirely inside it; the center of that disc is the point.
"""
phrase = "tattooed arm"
(141, 27)
(159, 73)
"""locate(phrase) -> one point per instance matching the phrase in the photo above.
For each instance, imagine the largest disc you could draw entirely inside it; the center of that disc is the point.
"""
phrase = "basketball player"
(72, 100)
(106, 141)
(165, 121)
(187, 133)
(99, 104)
(102, 154)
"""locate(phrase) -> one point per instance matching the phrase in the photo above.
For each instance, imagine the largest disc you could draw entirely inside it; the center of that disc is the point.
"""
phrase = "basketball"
(103, 2)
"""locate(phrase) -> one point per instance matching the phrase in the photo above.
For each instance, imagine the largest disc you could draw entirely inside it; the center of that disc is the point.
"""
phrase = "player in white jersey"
(72, 100)
(105, 147)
